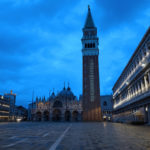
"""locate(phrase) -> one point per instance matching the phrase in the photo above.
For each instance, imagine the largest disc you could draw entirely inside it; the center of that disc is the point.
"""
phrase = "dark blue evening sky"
(40, 43)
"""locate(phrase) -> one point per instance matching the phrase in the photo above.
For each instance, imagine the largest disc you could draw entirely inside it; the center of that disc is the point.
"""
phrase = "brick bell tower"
(91, 89)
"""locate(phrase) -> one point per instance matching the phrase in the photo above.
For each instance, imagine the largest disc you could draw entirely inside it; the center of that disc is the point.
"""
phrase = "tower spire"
(64, 86)
(89, 23)
(68, 87)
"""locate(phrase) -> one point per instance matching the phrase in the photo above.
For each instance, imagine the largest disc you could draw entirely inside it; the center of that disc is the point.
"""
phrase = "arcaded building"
(106, 107)
(63, 106)
(131, 92)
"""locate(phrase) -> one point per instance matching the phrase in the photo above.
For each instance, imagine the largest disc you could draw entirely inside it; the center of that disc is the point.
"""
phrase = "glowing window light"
(104, 117)
(146, 109)
(18, 119)
(143, 65)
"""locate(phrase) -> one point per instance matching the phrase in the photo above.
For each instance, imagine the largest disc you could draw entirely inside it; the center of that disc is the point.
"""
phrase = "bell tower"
(90, 53)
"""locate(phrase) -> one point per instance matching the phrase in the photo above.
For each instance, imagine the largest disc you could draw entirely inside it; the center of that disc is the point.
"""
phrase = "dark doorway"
(46, 116)
(67, 116)
(81, 115)
(38, 116)
(56, 115)
(75, 116)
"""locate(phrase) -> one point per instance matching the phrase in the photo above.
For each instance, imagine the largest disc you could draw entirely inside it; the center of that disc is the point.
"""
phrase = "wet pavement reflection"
(73, 136)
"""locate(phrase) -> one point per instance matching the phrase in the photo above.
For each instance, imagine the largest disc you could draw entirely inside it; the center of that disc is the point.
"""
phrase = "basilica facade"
(63, 106)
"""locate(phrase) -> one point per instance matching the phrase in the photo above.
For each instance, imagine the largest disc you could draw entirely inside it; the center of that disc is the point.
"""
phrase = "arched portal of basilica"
(56, 115)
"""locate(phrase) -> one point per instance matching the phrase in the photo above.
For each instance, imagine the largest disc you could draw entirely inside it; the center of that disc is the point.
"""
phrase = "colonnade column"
(149, 114)
(136, 90)
(146, 84)
(139, 90)
(129, 94)
(149, 78)
(142, 86)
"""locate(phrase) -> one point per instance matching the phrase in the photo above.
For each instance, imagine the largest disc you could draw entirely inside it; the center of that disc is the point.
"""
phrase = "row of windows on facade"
(137, 88)
(107, 112)
(90, 32)
(59, 104)
(143, 52)
(90, 45)
(4, 105)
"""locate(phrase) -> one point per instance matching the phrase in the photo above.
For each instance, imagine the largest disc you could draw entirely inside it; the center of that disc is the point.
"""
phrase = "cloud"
(40, 43)
(116, 12)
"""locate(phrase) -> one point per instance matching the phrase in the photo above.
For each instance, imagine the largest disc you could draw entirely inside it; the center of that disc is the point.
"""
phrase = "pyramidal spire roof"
(89, 20)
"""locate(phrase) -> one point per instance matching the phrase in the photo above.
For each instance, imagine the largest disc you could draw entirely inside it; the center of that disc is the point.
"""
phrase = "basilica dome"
(66, 93)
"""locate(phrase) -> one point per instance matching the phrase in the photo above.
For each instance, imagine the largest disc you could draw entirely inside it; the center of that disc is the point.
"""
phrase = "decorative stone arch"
(91, 45)
(75, 115)
(67, 115)
(57, 103)
(38, 116)
(86, 45)
(56, 115)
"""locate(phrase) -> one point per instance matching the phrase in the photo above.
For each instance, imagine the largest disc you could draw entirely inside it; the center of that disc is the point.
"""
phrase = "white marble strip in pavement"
(46, 134)
(13, 137)
(40, 133)
(54, 146)
(15, 143)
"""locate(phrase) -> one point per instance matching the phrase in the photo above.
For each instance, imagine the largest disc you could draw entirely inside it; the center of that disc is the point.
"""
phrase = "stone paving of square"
(73, 136)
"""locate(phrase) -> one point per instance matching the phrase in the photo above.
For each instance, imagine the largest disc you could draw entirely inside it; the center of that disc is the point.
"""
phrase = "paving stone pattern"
(80, 136)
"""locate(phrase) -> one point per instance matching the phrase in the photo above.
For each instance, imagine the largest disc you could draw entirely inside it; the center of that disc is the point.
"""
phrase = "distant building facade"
(91, 88)
(21, 113)
(131, 92)
(12, 98)
(9, 111)
(4, 108)
(106, 107)
(63, 106)
(32, 110)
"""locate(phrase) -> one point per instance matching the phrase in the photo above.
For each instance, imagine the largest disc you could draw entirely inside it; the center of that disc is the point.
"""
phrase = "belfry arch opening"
(57, 104)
